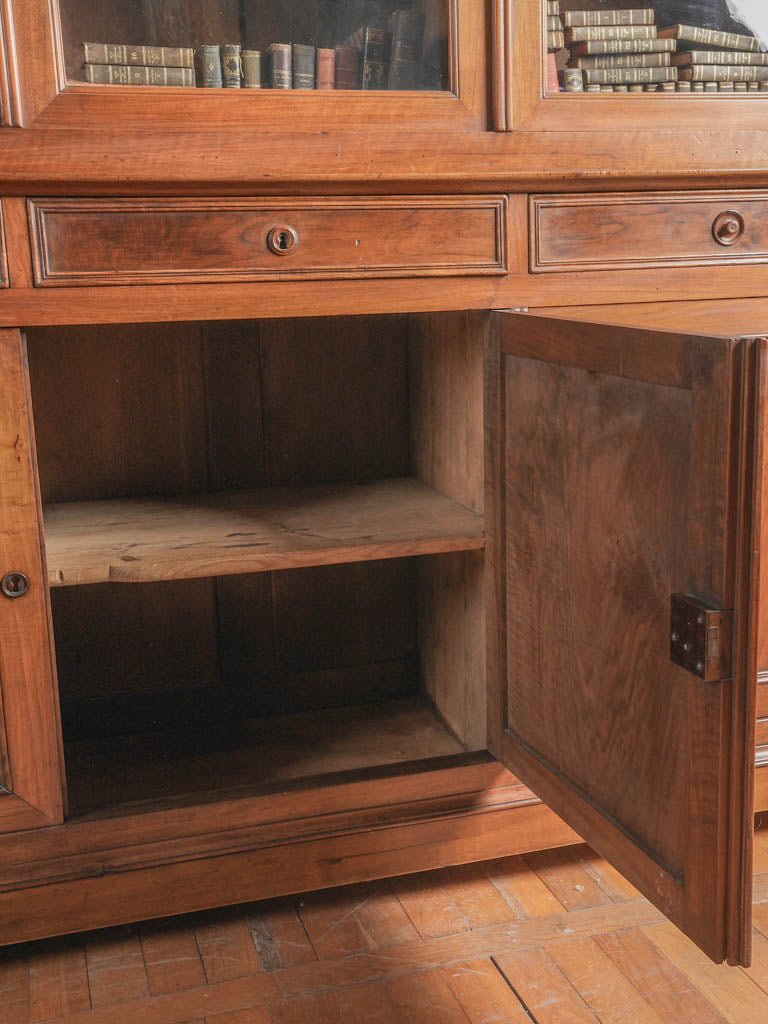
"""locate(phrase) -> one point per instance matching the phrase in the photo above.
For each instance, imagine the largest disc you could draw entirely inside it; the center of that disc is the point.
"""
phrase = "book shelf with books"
(366, 45)
(681, 47)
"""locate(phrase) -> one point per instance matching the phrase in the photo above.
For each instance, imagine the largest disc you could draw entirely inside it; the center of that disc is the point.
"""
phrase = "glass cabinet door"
(227, 49)
(668, 55)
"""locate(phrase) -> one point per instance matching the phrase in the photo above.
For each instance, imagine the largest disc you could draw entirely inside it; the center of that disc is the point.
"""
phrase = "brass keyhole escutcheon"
(728, 227)
(14, 584)
(283, 239)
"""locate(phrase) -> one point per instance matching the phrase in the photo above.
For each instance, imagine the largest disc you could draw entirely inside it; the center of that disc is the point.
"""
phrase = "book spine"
(623, 46)
(326, 68)
(573, 80)
(116, 74)
(578, 19)
(553, 84)
(252, 69)
(303, 66)
(553, 7)
(723, 73)
(577, 35)
(554, 23)
(231, 66)
(211, 60)
(710, 37)
(737, 57)
(347, 70)
(629, 76)
(625, 60)
(141, 56)
(280, 65)
(373, 73)
(406, 52)
(555, 40)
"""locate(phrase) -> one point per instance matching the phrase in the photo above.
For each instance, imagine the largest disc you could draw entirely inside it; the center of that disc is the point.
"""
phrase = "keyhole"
(14, 584)
(283, 239)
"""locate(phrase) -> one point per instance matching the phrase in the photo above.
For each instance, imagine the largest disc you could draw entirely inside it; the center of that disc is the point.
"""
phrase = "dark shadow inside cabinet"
(264, 548)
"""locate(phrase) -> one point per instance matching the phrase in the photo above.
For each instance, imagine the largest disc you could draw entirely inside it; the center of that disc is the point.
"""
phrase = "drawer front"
(152, 241)
(633, 230)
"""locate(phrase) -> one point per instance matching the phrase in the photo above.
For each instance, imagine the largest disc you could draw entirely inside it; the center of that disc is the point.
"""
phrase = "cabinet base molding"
(412, 837)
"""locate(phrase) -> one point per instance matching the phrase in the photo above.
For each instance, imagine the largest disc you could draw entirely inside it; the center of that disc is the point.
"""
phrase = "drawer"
(637, 230)
(152, 241)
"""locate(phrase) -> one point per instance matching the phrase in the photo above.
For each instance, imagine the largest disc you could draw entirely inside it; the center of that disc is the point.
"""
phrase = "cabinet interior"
(191, 664)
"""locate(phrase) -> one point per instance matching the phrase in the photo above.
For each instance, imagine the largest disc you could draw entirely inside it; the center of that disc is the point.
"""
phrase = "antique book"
(723, 73)
(578, 35)
(554, 23)
(553, 7)
(623, 46)
(719, 57)
(143, 56)
(347, 68)
(303, 67)
(623, 60)
(279, 55)
(373, 59)
(407, 30)
(625, 16)
(252, 69)
(626, 76)
(117, 74)
(326, 68)
(211, 61)
(573, 80)
(555, 40)
(231, 66)
(553, 84)
(692, 34)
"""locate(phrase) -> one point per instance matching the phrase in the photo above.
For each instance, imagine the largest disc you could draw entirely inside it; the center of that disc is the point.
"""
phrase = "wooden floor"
(555, 938)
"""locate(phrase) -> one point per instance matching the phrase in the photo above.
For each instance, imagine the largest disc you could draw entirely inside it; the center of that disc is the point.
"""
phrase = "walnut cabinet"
(382, 476)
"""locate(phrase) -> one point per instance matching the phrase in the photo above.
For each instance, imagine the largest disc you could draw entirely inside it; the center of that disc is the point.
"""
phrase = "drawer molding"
(152, 241)
(632, 231)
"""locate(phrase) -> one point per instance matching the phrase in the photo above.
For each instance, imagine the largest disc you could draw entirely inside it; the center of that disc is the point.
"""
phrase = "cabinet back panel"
(175, 408)
(139, 657)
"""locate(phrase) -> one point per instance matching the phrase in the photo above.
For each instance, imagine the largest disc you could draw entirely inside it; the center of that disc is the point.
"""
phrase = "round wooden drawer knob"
(728, 227)
(283, 239)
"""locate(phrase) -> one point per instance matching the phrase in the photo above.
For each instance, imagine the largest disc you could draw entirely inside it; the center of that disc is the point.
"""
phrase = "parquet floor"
(556, 937)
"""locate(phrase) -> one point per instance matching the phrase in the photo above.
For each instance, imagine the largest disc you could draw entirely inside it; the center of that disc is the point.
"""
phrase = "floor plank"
(483, 993)
(278, 934)
(425, 998)
(58, 981)
(226, 945)
(543, 988)
(567, 879)
(171, 956)
(602, 986)
(429, 905)
(474, 895)
(663, 985)
(14, 986)
(731, 992)
(116, 971)
(522, 888)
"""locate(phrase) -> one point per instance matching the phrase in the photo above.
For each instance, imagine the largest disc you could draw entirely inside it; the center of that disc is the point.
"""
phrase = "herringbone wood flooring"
(556, 937)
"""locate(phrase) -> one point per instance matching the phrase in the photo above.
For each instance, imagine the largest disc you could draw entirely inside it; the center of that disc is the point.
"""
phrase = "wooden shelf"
(243, 755)
(215, 534)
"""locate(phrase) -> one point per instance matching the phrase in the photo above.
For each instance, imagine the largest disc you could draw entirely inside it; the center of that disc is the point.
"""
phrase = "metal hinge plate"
(700, 638)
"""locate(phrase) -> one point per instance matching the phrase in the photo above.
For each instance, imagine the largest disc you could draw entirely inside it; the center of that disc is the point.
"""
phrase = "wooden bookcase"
(314, 553)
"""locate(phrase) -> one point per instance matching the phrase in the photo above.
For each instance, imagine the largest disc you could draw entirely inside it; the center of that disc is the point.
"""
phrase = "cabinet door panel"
(627, 470)
(30, 759)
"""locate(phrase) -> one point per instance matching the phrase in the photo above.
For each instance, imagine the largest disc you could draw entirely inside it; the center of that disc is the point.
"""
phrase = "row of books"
(370, 58)
(623, 47)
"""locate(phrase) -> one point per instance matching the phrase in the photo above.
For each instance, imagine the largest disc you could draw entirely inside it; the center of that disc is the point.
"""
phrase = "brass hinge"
(701, 638)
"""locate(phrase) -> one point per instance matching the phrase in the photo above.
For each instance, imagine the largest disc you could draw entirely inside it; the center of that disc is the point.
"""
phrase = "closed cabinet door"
(30, 761)
(626, 477)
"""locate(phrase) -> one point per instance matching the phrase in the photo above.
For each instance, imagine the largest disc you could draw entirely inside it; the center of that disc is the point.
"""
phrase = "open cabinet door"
(625, 469)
